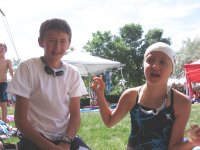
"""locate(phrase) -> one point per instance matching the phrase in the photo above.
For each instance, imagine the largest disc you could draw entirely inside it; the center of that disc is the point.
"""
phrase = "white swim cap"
(162, 47)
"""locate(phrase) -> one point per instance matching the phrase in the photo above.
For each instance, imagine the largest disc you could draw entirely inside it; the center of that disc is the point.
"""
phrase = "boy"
(6, 65)
(47, 109)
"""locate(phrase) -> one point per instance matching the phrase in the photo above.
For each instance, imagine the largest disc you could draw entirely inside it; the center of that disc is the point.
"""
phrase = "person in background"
(159, 113)
(5, 66)
(48, 91)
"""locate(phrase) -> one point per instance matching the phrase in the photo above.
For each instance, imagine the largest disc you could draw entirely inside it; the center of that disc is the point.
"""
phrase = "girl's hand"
(98, 84)
(193, 134)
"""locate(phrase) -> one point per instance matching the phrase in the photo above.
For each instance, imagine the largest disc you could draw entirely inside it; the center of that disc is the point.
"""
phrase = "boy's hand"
(65, 146)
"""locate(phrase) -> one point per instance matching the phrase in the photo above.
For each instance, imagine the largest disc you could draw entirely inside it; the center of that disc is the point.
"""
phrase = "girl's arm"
(182, 108)
(126, 102)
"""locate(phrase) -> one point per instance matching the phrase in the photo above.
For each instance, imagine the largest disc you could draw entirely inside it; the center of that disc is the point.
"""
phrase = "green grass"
(98, 137)
(195, 115)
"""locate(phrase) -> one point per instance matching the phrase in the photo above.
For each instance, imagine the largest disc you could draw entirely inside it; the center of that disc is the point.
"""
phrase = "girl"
(159, 114)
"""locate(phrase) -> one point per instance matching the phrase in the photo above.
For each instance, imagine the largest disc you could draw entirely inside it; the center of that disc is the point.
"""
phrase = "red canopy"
(192, 73)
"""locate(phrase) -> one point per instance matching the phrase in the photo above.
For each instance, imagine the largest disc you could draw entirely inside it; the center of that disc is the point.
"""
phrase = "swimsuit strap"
(138, 93)
(171, 97)
(156, 110)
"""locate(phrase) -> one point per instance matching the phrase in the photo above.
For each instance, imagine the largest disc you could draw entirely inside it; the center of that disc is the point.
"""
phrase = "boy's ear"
(5, 47)
(40, 42)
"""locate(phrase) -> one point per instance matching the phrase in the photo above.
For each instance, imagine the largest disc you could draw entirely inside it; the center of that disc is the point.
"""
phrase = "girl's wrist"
(192, 143)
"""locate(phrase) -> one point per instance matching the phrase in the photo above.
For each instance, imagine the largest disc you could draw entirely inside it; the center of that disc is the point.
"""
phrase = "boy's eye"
(51, 40)
(63, 41)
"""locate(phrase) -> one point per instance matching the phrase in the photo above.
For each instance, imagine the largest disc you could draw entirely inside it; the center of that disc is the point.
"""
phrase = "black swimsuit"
(148, 131)
(3, 93)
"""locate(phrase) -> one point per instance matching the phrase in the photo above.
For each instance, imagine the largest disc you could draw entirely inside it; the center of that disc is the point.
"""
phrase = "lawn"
(98, 137)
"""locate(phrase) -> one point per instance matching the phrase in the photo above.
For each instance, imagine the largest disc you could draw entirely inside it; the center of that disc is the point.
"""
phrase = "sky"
(179, 20)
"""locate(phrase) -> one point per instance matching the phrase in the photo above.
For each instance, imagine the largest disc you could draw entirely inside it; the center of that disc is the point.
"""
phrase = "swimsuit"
(3, 93)
(150, 131)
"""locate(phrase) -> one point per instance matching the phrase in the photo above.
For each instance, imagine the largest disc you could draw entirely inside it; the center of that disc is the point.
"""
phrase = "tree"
(128, 48)
(15, 63)
(189, 53)
(132, 35)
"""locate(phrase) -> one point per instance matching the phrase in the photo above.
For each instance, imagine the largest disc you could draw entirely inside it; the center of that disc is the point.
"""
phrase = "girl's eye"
(162, 62)
(149, 60)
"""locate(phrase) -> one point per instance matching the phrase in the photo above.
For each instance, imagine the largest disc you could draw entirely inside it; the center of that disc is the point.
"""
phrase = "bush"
(85, 101)
(112, 98)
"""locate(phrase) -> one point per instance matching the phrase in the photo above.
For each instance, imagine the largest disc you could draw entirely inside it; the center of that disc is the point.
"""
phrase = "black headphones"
(50, 71)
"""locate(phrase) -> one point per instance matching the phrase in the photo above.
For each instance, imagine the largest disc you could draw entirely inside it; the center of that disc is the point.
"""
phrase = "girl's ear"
(40, 42)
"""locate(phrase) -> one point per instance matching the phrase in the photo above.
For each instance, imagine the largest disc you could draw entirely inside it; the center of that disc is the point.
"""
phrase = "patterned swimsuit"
(149, 131)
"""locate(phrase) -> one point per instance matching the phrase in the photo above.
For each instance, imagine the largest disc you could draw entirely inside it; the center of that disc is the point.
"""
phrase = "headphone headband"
(50, 71)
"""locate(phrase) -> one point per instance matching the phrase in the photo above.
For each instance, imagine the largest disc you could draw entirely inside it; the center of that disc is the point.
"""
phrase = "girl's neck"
(153, 96)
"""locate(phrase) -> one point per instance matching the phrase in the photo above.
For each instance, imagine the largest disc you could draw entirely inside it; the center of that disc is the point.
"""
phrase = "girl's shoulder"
(128, 98)
(181, 102)
(180, 97)
(130, 94)
(133, 90)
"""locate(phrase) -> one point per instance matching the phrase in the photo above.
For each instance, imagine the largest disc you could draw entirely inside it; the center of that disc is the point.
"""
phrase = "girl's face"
(55, 44)
(157, 67)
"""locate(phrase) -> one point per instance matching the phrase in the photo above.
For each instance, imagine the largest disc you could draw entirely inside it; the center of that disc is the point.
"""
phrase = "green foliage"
(189, 53)
(131, 34)
(155, 35)
(110, 98)
(15, 63)
(128, 48)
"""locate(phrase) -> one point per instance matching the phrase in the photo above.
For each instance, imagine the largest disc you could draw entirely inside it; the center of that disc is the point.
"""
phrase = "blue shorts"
(3, 93)
(25, 144)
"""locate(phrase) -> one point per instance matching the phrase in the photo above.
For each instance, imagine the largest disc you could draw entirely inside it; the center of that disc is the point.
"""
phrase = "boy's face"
(2, 49)
(55, 44)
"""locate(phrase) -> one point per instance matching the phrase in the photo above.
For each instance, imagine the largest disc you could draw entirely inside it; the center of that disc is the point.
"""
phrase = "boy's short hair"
(55, 24)
(4, 45)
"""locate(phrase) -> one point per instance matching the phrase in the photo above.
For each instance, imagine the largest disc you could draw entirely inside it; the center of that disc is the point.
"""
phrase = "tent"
(192, 73)
(88, 64)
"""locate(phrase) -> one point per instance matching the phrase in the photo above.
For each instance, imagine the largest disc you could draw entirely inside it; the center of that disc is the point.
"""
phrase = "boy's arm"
(10, 68)
(74, 122)
(26, 128)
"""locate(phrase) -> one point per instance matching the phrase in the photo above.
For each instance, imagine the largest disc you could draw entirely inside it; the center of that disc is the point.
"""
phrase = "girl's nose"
(156, 66)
